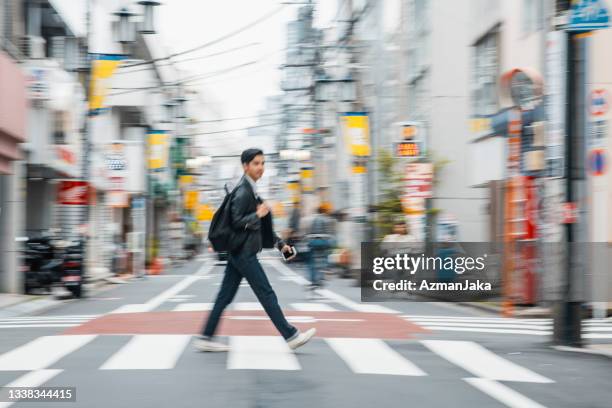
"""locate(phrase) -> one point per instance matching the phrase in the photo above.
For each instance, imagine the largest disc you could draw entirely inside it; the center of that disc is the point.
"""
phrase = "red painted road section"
(237, 323)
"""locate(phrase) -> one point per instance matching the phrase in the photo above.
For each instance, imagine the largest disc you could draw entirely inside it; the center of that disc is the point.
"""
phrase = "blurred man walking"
(251, 222)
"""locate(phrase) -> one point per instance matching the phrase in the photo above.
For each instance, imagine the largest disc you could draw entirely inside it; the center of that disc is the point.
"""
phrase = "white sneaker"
(301, 338)
(203, 344)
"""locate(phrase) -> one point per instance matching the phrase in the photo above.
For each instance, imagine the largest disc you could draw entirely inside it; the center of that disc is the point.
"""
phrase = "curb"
(36, 304)
(586, 350)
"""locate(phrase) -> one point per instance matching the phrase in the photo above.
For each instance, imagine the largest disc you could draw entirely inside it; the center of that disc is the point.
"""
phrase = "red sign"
(72, 192)
(531, 208)
(597, 161)
(598, 102)
(570, 213)
(66, 155)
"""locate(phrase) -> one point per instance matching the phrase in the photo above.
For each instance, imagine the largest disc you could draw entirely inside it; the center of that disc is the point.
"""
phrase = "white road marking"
(42, 352)
(482, 330)
(481, 362)
(260, 353)
(296, 319)
(148, 352)
(360, 307)
(29, 326)
(597, 336)
(313, 307)
(171, 292)
(243, 284)
(477, 319)
(483, 325)
(372, 356)
(502, 393)
(34, 378)
(242, 306)
(596, 328)
(131, 308)
(193, 307)
(287, 272)
(75, 317)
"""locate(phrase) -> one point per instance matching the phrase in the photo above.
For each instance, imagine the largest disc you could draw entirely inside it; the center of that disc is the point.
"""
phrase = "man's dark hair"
(249, 154)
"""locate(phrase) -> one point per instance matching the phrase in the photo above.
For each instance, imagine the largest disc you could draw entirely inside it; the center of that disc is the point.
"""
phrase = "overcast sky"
(184, 24)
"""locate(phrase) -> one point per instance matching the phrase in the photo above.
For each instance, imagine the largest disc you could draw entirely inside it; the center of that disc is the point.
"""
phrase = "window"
(532, 16)
(59, 126)
(419, 52)
(485, 72)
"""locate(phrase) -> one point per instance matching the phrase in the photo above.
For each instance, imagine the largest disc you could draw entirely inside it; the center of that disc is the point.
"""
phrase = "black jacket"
(251, 233)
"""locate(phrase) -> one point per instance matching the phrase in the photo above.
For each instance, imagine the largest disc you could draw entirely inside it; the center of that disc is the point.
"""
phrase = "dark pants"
(247, 266)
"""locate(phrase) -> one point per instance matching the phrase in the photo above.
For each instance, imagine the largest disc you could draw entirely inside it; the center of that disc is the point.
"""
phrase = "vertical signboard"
(555, 90)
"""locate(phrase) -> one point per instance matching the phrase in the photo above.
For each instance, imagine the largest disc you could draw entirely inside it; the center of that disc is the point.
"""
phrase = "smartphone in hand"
(287, 256)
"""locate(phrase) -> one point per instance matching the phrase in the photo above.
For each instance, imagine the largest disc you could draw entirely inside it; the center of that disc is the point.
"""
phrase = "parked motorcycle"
(49, 262)
(72, 276)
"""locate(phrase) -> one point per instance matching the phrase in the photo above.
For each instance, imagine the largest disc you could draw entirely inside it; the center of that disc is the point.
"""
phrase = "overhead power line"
(232, 130)
(215, 41)
(169, 64)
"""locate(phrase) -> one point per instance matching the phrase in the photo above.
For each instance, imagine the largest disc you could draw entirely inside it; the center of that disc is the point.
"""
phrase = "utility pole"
(568, 319)
(585, 17)
(86, 157)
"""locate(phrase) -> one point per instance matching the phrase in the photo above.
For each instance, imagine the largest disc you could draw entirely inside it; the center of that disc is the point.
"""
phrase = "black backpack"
(220, 233)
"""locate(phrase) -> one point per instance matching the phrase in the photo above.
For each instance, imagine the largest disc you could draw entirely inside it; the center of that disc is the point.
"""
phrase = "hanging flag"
(102, 69)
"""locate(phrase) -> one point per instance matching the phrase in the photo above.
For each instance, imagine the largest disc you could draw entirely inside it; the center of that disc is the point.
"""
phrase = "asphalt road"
(130, 346)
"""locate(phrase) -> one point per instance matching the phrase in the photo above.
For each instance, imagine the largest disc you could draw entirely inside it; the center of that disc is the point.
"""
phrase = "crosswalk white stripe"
(481, 362)
(483, 330)
(193, 307)
(479, 320)
(242, 306)
(44, 321)
(597, 336)
(485, 325)
(502, 393)
(313, 307)
(260, 353)
(2, 321)
(26, 326)
(372, 356)
(42, 352)
(34, 378)
(53, 317)
(148, 352)
(344, 301)
(288, 272)
(131, 308)
(473, 317)
(597, 328)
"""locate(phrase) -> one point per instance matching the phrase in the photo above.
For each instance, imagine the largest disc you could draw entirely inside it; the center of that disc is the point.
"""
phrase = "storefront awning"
(13, 106)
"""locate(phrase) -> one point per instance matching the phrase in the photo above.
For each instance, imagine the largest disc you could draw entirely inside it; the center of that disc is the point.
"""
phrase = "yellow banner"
(356, 131)
(204, 212)
(158, 150)
(186, 180)
(191, 200)
(102, 69)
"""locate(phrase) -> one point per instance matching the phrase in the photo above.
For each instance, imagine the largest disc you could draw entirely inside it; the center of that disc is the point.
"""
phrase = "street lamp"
(344, 90)
(180, 107)
(148, 25)
(169, 109)
(125, 34)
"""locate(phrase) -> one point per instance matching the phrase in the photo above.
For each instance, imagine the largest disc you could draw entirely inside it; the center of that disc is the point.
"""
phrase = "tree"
(389, 208)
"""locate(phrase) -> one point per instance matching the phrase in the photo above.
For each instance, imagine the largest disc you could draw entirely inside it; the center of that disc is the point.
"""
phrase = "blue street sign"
(588, 15)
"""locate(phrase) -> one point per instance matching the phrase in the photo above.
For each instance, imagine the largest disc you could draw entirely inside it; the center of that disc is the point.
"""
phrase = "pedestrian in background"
(321, 238)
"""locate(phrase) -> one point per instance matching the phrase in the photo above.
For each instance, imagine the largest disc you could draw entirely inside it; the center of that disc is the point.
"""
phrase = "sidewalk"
(16, 305)
(591, 346)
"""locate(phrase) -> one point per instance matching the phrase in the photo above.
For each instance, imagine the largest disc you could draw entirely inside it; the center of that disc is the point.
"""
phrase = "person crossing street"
(251, 222)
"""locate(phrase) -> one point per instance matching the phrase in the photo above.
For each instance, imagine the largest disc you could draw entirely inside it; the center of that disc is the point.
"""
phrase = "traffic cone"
(156, 267)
